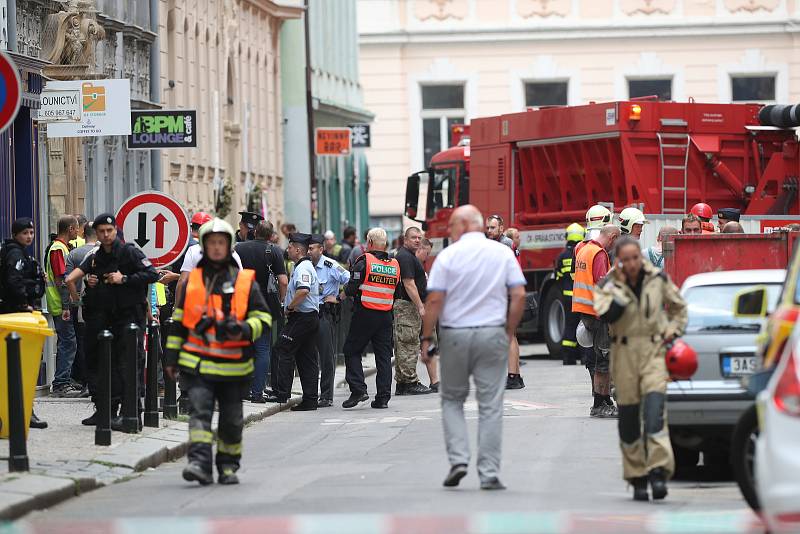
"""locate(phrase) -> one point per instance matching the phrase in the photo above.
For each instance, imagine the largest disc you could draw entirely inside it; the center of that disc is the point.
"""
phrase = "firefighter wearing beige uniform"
(645, 310)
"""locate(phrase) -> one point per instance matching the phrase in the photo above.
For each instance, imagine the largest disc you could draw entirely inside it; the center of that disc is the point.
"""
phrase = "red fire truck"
(542, 169)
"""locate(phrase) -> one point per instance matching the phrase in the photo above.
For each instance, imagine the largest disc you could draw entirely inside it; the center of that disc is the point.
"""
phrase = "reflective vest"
(198, 304)
(380, 280)
(583, 287)
(54, 306)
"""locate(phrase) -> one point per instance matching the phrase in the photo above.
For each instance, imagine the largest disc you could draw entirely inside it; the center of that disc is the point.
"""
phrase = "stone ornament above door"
(440, 9)
(543, 8)
(751, 6)
(647, 7)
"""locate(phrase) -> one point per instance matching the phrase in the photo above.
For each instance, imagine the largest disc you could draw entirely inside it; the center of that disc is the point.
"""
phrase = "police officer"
(297, 342)
(247, 226)
(331, 276)
(726, 215)
(117, 279)
(373, 281)
(564, 276)
(645, 310)
(22, 283)
(221, 313)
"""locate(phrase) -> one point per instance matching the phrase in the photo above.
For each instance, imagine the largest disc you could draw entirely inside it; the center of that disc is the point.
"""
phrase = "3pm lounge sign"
(163, 129)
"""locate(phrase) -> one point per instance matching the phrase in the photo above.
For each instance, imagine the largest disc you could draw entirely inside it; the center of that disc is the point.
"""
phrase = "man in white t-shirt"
(193, 256)
(476, 291)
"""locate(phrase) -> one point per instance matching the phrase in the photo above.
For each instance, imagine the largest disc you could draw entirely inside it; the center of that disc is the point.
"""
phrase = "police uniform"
(373, 281)
(214, 363)
(297, 343)
(22, 282)
(251, 220)
(331, 277)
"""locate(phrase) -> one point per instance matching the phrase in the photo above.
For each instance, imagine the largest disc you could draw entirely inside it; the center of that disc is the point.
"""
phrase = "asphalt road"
(558, 463)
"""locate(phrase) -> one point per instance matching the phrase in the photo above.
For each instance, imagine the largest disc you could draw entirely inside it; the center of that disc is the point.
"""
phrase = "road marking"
(370, 420)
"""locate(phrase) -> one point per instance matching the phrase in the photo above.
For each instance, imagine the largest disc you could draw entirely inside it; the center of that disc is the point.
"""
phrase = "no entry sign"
(157, 224)
(10, 91)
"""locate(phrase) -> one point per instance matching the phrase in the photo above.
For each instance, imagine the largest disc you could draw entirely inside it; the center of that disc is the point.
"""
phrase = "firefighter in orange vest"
(217, 319)
(591, 265)
(373, 279)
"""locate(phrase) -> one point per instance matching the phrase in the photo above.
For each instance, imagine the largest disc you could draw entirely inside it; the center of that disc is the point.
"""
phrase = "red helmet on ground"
(681, 361)
(703, 211)
(200, 218)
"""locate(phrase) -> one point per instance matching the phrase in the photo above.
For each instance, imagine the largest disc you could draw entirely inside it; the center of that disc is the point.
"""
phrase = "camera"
(227, 329)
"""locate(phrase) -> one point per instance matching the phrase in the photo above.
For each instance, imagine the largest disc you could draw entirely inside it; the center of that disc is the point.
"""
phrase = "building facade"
(222, 58)
(340, 183)
(429, 64)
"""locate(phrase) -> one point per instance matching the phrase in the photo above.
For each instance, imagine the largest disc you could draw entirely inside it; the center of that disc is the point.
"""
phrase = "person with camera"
(22, 283)
(221, 313)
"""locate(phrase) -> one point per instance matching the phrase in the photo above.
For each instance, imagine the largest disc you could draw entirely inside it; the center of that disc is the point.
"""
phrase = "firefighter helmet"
(583, 336)
(216, 226)
(575, 233)
(630, 216)
(681, 361)
(598, 216)
(200, 218)
(703, 211)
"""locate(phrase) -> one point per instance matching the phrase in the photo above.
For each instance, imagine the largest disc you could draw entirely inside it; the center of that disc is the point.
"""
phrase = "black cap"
(318, 239)
(23, 223)
(730, 214)
(105, 218)
(250, 219)
(301, 239)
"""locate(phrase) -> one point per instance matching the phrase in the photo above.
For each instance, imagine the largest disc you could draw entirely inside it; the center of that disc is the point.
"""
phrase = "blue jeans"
(65, 351)
(261, 348)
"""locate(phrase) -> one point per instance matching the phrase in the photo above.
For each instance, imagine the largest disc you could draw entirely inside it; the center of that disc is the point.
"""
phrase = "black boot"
(227, 475)
(355, 399)
(195, 472)
(36, 422)
(640, 489)
(658, 483)
(92, 420)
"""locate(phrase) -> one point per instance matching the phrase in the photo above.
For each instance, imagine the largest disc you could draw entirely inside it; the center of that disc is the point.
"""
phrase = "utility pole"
(310, 117)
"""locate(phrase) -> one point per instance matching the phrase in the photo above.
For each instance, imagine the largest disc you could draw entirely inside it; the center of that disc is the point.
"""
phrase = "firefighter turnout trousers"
(203, 394)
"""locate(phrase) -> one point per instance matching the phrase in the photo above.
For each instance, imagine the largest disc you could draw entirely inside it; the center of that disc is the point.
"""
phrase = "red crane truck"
(542, 169)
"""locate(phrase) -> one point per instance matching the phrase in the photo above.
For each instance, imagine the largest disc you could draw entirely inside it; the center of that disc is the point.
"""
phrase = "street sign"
(332, 142)
(157, 224)
(360, 137)
(163, 129)
(10, 91)
(105, 108)
(61, 105)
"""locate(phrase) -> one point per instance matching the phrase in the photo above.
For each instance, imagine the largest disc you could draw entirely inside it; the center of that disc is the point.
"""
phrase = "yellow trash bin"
(32, 328)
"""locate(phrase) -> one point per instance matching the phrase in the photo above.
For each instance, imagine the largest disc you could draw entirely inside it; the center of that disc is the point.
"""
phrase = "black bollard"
(170, 393)
(151, 388)
(130, 380)
(17, 446)
(102, 432)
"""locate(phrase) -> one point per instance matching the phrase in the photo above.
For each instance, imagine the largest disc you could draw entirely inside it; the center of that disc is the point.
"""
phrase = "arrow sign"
(158, 225)
(141, 236)
(160, 220)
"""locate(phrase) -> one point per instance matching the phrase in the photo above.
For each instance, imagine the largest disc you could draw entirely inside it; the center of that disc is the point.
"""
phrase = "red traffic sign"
(10, 91)
(157, 224)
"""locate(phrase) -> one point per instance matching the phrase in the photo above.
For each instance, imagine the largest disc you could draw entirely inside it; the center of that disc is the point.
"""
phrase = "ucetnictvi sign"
(60, 105)
(105, 108)
(163, 129)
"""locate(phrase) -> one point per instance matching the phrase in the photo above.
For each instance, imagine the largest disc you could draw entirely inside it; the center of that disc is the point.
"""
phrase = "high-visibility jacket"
(563, 270)
(53, 293)
(380, 281)
(583, 286)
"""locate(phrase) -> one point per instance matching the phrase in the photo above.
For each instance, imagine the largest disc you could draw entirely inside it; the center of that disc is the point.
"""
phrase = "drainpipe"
(155, 92)
(11, 20)
(310, 118)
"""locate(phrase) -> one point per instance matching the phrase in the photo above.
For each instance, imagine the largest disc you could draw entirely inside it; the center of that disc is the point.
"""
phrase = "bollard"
(130, 380)
(102, 432)
(151, 387)
(170, 394)
(17, 446)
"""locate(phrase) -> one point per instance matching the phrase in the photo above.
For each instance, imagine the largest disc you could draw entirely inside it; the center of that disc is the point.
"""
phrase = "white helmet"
(630, 216)
(597, 216)
(216, 226)
(583, 336)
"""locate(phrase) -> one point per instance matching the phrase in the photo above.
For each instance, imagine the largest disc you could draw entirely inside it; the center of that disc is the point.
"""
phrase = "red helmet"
(681, 361)
(200, 218)
(703, 211)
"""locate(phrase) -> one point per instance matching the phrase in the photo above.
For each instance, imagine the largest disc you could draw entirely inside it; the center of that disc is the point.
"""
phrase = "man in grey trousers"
(476, 291)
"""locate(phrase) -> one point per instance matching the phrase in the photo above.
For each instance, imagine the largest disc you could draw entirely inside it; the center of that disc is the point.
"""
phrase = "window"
(710, 308)
(442, 108)
(443, 189)
(752, 88)
(660, 88)
(539, 94)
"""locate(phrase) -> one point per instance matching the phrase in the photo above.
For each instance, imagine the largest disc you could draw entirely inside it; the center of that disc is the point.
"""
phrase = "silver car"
(703, 411)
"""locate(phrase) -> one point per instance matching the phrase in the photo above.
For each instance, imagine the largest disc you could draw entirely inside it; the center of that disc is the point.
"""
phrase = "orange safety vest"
(198, 304)
(380, 280)
(583, 286)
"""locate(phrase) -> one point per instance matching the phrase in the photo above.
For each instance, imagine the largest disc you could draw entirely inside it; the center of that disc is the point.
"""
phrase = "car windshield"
(711, 307)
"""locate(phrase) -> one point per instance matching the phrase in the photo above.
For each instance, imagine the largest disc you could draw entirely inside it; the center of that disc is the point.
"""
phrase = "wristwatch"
(423, 339)
(124, 278)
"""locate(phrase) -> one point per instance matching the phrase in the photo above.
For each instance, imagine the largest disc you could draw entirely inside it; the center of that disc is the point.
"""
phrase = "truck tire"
(553, 321)
(743, 451)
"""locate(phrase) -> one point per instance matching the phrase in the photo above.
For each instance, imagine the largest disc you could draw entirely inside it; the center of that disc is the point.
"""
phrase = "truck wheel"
(553, 321)
(743, 455)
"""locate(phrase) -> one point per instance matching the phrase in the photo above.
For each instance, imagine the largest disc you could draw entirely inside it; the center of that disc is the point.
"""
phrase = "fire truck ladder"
(676, 146)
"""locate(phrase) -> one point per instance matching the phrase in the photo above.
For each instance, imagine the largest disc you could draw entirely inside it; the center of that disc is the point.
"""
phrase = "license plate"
(739, 365)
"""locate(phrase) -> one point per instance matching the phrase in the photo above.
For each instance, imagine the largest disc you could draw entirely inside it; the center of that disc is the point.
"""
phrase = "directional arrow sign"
(157, 224)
